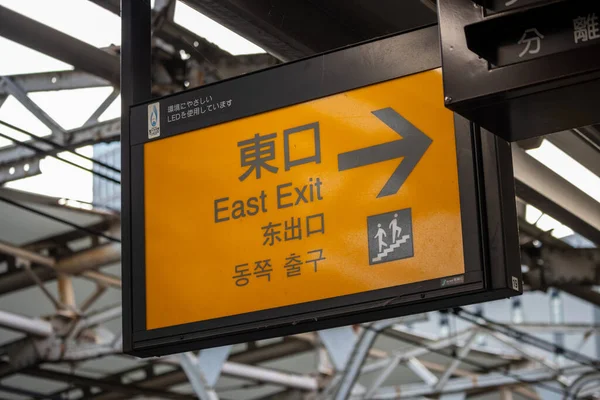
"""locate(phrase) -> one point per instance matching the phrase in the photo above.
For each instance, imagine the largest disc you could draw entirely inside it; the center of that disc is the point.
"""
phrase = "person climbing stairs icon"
(396, 230)
(389, 236)
(379, 236)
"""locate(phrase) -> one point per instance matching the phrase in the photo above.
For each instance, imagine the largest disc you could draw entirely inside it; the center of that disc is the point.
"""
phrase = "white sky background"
(71, 108)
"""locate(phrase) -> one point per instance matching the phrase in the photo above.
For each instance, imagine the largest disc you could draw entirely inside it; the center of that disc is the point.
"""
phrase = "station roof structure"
(60, 251)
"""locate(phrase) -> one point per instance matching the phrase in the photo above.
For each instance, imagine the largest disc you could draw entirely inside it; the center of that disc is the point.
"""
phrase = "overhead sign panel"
(336, 200)
(535, 33)
(521, 68)
(346, 194)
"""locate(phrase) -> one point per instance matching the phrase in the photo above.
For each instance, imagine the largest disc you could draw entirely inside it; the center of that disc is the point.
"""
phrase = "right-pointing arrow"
(412, 146)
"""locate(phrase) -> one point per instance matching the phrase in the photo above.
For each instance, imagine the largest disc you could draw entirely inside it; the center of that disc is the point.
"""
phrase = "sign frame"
(518, 101)
(487, 199)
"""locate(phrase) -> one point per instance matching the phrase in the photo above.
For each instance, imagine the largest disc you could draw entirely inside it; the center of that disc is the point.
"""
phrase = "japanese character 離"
(586, 28)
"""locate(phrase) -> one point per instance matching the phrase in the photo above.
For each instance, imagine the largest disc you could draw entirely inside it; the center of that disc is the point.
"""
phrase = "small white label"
(153, 120)
(515, 283)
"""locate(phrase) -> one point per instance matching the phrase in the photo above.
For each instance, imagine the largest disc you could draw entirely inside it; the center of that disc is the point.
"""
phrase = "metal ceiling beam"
(61, 46)
(285, 348)
(106, 131)
(110, 224)
(568, 329)
(19, 252)
(14, 89)
(216, 63)
(207, 54)
(21, 170)
(113, 386)
(17, 157)
(591, 134)
(579, 148)
(537, 185)
(292, 29)
(59, 80)
(182, 39)
(23, 392)
(557, 266)
(19, 323)
(76, 264)
(93, 119)
(103, 279)
(281, 27)
(482, 381)
(584, 293)
(266, 375)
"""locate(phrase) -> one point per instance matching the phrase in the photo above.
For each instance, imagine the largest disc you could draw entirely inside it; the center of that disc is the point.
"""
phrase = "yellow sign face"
(341, 195)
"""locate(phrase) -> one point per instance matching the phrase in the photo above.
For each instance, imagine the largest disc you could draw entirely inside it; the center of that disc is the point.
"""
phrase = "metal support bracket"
(9, 172)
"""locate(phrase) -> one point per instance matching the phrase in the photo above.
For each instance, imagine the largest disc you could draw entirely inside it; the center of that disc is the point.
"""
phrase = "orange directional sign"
(345, 194)
(329, 191)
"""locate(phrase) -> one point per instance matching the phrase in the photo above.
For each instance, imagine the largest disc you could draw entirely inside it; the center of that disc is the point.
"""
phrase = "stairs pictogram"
(390, 249)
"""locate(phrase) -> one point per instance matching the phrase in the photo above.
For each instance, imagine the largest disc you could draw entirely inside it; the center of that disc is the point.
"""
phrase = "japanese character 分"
(531, 36)
(170, 109)
(318, 258)
(315, 224)
(271, 234)
(293, 229)
(314, 144)
(242, 271)
(255, 153)
(263, 268)
(292, 265)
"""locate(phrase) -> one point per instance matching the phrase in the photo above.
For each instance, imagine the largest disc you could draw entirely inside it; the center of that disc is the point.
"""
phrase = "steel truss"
(351, 365)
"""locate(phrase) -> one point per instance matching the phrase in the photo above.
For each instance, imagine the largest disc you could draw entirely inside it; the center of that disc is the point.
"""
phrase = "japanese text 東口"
(258, 152)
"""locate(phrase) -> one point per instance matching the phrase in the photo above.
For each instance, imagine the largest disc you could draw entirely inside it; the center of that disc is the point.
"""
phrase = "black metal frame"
(517, 101)
(485, 175)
